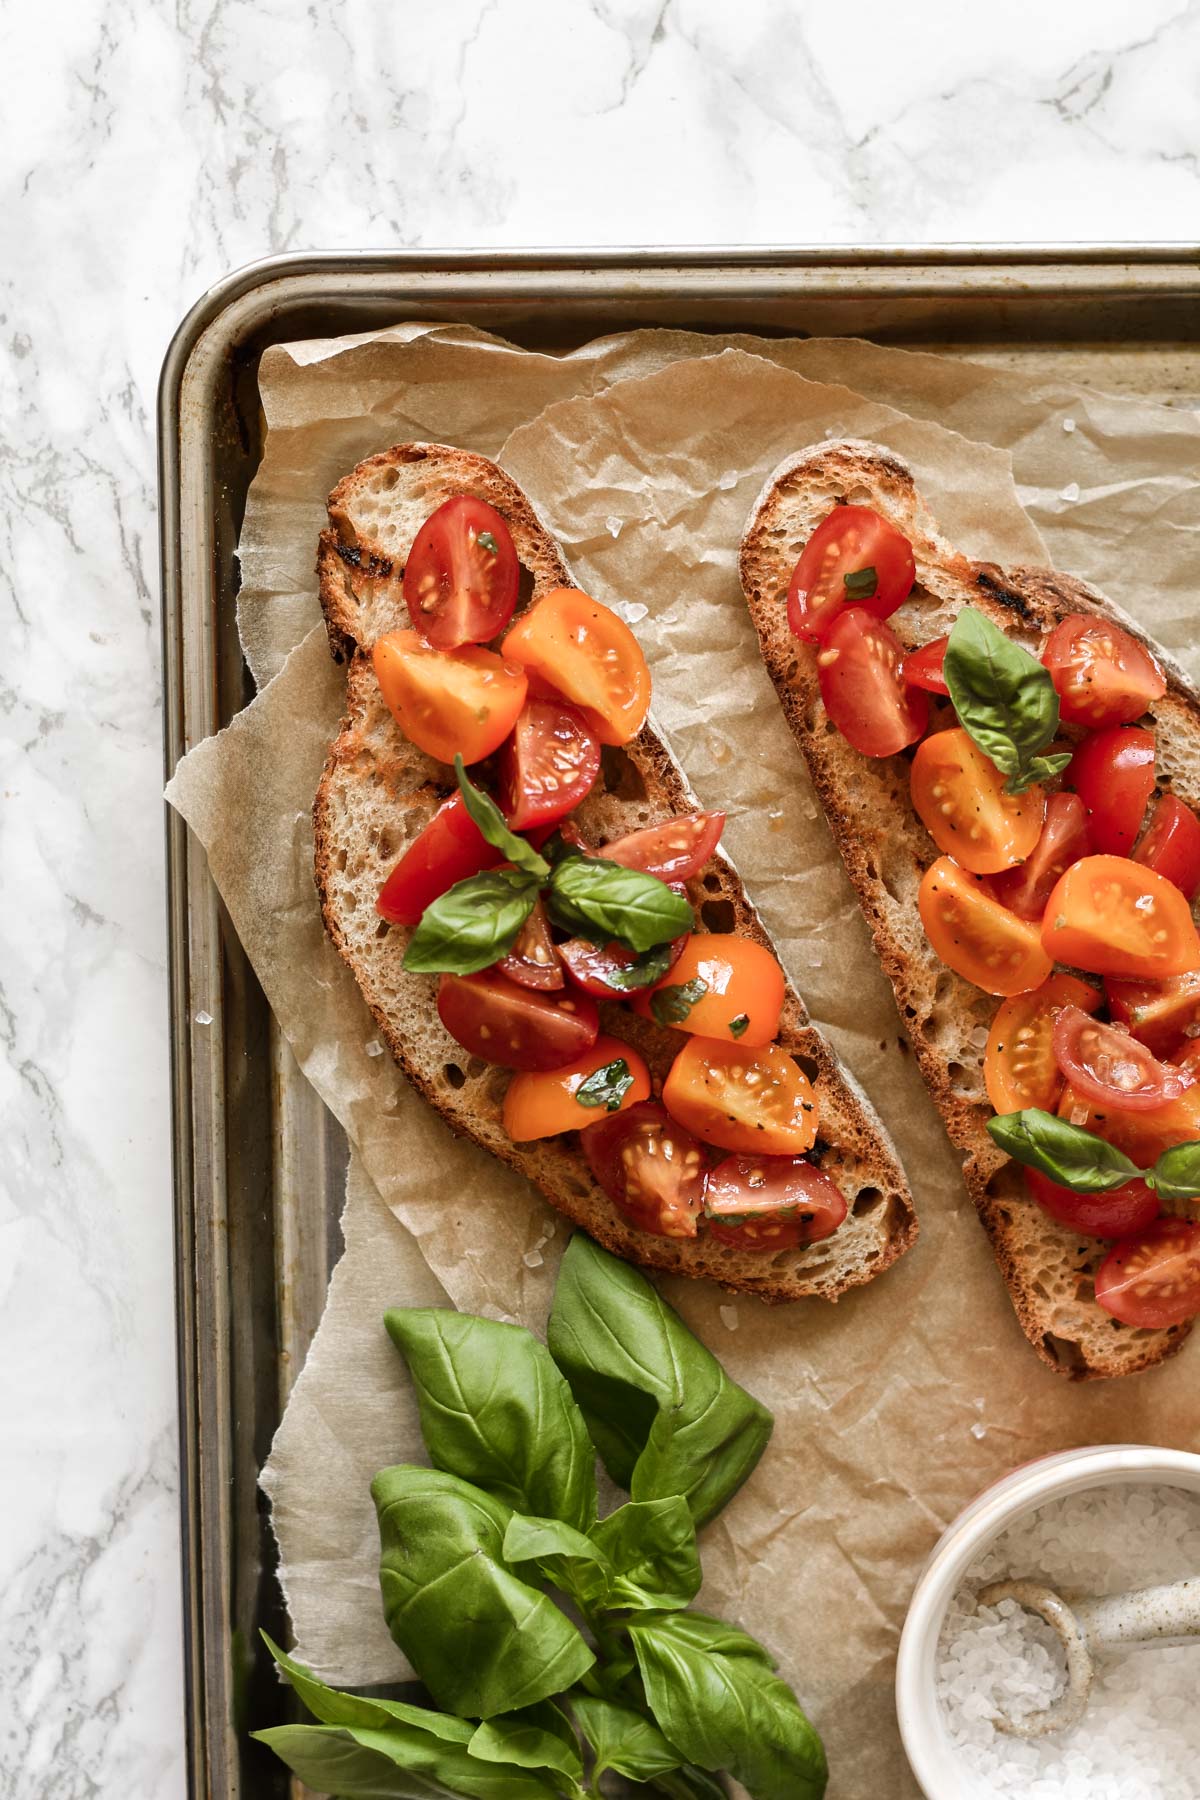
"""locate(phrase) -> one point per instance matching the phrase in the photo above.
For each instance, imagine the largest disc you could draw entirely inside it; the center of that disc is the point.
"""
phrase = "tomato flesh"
(959, 796)
(1110, 1069)
(1112, 917)
(533, 961)
(721, 987)
(611, 972)
(674, 851)
(853, 558)
(542, 1103)
(1101, 674)
(504, 1023)
(1153, 1280)
(448, 701)
(548, 765)
(1112, 1215)
(450, 848)
(589, 656)
(977, 937)
(1019, 1068)
(1143, 1136)
(1171, 845)
(925, 668)
(771, 1203)
(1113, 773)
(652, 1170)
(462, 574)
(862, 686)
(738, 1099)
(1158, 1013)
(1026, 888)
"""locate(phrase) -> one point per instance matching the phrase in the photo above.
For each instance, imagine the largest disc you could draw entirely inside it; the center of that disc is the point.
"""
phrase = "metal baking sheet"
(259, 1164)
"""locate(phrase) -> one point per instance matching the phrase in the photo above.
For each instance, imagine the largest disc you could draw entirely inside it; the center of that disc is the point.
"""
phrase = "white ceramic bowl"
(933, 1759)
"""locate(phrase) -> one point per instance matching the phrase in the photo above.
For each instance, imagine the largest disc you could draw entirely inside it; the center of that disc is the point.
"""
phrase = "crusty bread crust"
(1048, 1269)
(378, 791)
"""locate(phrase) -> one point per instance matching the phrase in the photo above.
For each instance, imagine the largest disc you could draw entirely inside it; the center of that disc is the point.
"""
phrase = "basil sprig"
(490, 820)
(1005, 700)
(606, 1087)
(473, 924)
(601, 900)
(1079, 1160)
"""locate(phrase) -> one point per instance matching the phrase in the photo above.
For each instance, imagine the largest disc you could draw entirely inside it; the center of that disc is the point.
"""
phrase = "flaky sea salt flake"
(204, 1018)
(1070, 492)
(729, 1317)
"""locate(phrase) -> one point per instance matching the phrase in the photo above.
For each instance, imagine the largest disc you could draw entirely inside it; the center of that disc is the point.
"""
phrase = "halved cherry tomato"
(858, 667)
(1019, 1069)
(541, 1104)
(1142, 1136)
(548, 765)
(1026, 889)
(977, 937)
(462, 575)
(853, 558)
(771, 1203)
(447, 701)
(924, 668)
(1158, 1013)
(1153, 1280)
(514, 1026)
(612, 972)
(1101, 675)
(959, 795)
(674, 851)
(721, 987)
(1171, 845)
(1113, 773)
(590, 656)
(1112, 917)
(1187, 1057)
(450, 848)
(1112, 1215)
(533, 961)
(652, 1170)
(1110, 1069)
(756, 1100)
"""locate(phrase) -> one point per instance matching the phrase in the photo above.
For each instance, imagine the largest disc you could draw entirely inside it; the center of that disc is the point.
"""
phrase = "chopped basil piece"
(861, 584)
(607, 1086)
(739, 1025)
(671, 1005)
(489, 543)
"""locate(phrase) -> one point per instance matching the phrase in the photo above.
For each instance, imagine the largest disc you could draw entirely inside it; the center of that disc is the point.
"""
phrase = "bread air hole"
(866, 1201)
(718, 915)
(620, 777)
(454, 1075)
(808, 1066)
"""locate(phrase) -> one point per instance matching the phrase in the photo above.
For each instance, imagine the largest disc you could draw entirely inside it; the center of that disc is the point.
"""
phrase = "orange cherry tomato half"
(1019, 1068)
(1112, 917)
(771, 1203)
(739, 1099)
(652, 1170)
(1153, 1280)
(1158, 1013)
(977, 937)
(542, 1103)
(589, 656)
(450, 848)
(1101, 674)
(862, 686)
(533, 961)
(721, 987)
(548, 765)
(1026, 888)
(674, 851)
(1142, 1136)
(853, 558)
(959, 796)
(511, 1025)
(1171, 845)
(612, 972)
(462, 575)
(1113, 773)
(1110, 1069)
(924, 668)
(1112, 1215)
(447, 701)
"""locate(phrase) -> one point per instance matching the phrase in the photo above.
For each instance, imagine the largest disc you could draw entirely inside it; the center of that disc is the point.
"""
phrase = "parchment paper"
(893, 1408)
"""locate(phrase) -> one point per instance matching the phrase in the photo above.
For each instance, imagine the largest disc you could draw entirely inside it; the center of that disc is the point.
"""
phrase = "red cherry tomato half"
(674, 851)
(1112, 917)
(1101, 675)
(462, 575)
(1153, 1280)
(450, 848)
(533, 961)
(1113, 773)
(1110, 1069)
(611, 972)
(771, 1203)
(1115, 1214)
(1158, 1013)
(853, 558)
(651, 1168)
(923, 668)
(859, 669)
(1171, 845)
(548, 765)
(504, 1023)
(1026, 889)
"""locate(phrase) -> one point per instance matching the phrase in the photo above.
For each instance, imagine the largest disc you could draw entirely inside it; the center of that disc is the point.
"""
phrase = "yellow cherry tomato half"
(447, 701)
(1019, 1065)
(541, 1103)
(977, 937)
(721, 987)
(739, 1099)
(588, 655)
(1111, 916)
(959, 796)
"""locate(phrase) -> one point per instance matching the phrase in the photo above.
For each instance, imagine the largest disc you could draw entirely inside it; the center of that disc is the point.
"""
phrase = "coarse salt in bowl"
(1099, 1520)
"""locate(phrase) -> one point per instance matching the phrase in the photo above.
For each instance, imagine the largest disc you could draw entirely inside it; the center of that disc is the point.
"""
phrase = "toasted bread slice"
(378, 791)
(886, 849)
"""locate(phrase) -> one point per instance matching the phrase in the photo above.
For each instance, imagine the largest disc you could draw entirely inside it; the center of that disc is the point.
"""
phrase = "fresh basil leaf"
(623, 1739)
(1075, 1158)
(739, 1026)
(601, 900)
(492, 826)
(1004, 698)
(1040, 768)
(496, 1411)
(528, 1539)
(488, 541)
(539, 1737)
(861, 584)
(687, 1783)
(671, 1005)
(473, 924)
(643, 971)
(333, 1706)
(650, 1548)
(482, 1641)
(360, 1763)
(663, 1414)
(727, 1711)
(607, 1086)
(1176, 1174)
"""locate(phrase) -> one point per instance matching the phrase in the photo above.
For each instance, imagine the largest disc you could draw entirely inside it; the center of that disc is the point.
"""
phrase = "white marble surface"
(148, 148)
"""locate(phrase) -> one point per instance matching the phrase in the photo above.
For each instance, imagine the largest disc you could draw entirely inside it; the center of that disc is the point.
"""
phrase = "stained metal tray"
(259, 1164)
